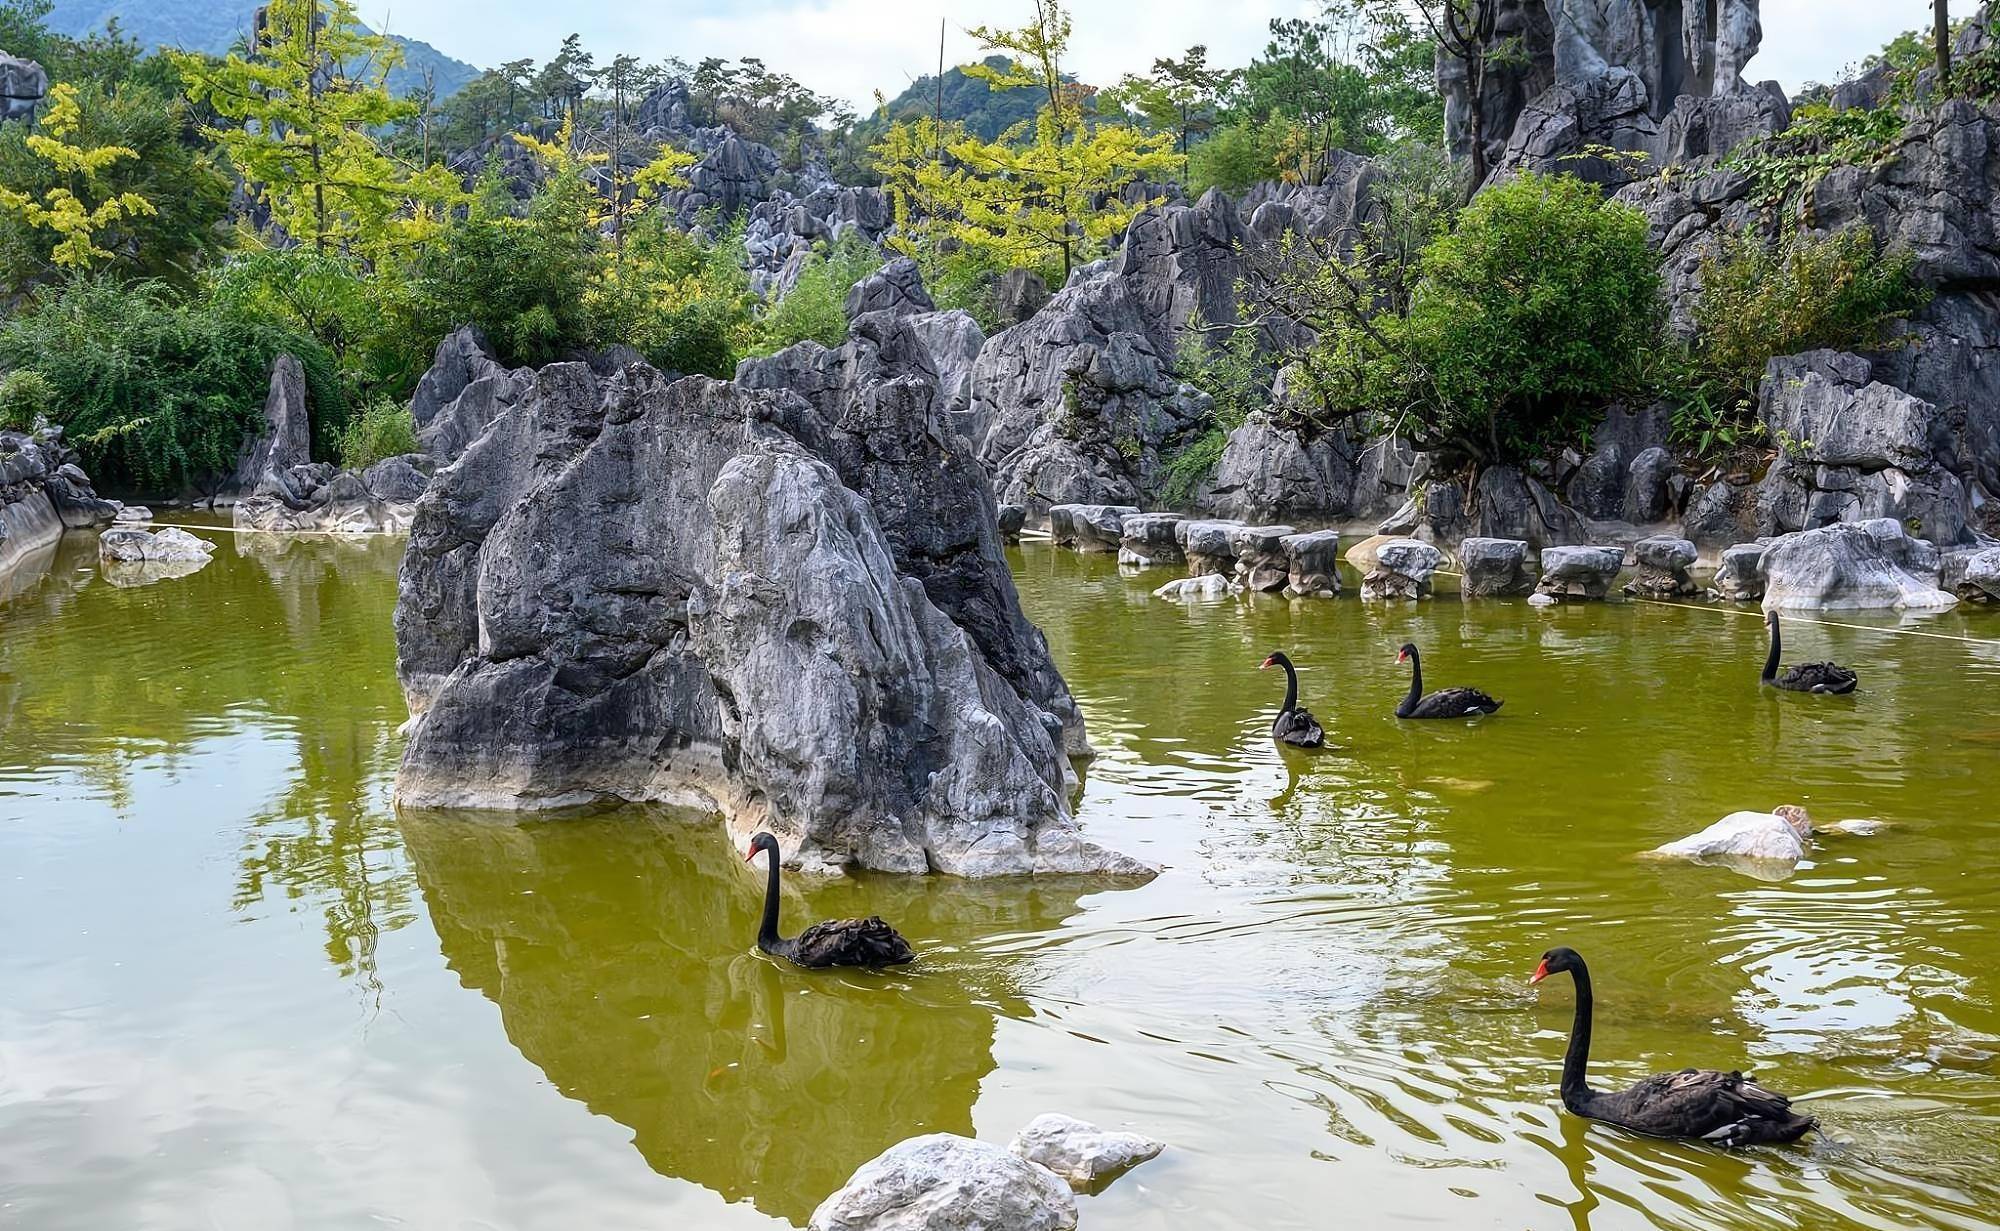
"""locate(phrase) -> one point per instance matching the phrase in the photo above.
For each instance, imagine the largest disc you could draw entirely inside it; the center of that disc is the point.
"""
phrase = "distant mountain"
(215, 25)
(987, 112)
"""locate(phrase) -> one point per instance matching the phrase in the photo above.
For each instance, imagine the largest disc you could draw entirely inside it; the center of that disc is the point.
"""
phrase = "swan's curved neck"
(1291, 688)
(1771, 661)
(767, 931)
(1416, 684)
(1577, 1059)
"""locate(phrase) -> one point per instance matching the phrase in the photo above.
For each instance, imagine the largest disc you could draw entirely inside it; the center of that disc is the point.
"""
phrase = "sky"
(851, 48)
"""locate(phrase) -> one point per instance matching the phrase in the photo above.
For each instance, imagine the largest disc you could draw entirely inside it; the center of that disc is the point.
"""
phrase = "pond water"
(238, 990)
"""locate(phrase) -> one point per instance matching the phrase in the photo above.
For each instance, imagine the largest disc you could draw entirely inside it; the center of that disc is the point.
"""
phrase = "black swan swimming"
(1725, 1109)
(837, 942)
(1804, 677)
(1293, 725)
(1445, 702)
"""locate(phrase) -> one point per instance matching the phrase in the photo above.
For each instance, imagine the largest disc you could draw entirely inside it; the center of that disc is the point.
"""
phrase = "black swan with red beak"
(1725, 1109)
(1445, 702)
(1294, 724)
(837, 942)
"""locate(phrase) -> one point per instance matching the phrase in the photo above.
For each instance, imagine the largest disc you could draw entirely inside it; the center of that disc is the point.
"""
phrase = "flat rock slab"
(942, 1182)
(1494, 568)
(1148, 539)
(1208, 586)
(1579, 572)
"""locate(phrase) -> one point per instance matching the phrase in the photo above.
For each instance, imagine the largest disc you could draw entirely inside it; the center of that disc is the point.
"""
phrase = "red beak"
(1541, 972)
(752, 855)
(1264, 664)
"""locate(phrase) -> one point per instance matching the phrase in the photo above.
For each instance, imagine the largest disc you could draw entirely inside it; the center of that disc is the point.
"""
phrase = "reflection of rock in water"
(125, 574)
(620, 955)
(300, 566)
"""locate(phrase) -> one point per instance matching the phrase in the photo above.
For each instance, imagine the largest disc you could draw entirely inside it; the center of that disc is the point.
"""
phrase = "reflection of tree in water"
(618, 950)
(290, 639)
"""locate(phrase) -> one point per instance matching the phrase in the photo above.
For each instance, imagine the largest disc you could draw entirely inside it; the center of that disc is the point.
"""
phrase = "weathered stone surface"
(1663, 561)
(42, 493)
(1148, 539)
(1267, 471)
(1018, 294)
(264, 465)
(1079, 404)
(1402, 569)
(1494, 568)
(1579, 572)
(897, 288)
(1507, 504)
(1010, 519)
(954, 340)
(1208, 586)
(1208, 546)
(172, 545)
(1829, 412)
(1261, 563)
(1082, 1154)
(1597, 489)
(788, 604)
(1975, 575)
(1182, 263)
(319, 499)
(1313, 563)
(28, 524)
(1088, 527)
(1739, 575)
(461, 394)
(23, 85)
(1862, 565)
(942, 1182)
(1648, 498)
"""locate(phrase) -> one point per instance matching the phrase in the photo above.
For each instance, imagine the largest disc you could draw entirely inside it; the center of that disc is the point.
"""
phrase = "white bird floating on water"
(1767, 845)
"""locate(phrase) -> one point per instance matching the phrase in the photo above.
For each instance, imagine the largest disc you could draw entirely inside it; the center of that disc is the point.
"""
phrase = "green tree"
(305, 131)
(78, 209)
(1178, 96)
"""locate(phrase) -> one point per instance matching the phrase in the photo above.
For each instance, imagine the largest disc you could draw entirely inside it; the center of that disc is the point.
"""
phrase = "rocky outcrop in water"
(1861, 565)
(943, 1182)
(781, 598)
(43, 492)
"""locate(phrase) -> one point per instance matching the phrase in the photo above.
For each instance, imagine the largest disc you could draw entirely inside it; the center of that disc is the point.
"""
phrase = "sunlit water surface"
(238, 990)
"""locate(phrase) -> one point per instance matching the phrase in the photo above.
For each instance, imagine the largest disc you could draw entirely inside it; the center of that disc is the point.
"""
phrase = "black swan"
(1293, 725)
(1805, 677)
(1725, 1109)
(837, 942)
(1445, 702)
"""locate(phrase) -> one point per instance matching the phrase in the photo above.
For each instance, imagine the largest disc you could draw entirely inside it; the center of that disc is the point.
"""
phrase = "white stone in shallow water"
(1741, 835)
(943, 1182)
(1210, 586)
(1081, 1153)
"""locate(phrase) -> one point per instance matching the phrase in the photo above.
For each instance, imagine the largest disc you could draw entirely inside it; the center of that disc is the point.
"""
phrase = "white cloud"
(851, 48)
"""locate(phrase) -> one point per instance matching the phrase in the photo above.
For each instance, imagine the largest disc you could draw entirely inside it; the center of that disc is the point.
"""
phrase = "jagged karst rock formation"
(43, 492)
(782, 598)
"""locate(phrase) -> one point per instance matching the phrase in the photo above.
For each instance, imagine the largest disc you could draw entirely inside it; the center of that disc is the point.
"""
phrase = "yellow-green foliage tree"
(309, 99)
(1045, 194)
(76, 212)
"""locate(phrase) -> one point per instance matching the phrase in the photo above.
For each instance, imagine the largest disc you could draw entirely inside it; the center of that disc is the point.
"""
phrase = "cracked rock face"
(783, 599)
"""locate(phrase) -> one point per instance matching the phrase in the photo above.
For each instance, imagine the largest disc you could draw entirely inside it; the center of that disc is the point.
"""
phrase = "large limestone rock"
(1312, 563)
(1579, 572)
(1084, 1155)
(1494, 568)
(1149, 539)
(23, 86)
(1872, 564)
(1262, 562)
(1268, 471)
(954, 341)
(316, 498)
(785, 603)
(1739, 575)
(1663, 562)
(1089, 527)
(943, 1182)
(896, 288)
(1079, 405)
(1182, 263)
(463, 391)
(265, 463)
(1975, 575)
(42, 493)
(1402, 569)
(1209, 546)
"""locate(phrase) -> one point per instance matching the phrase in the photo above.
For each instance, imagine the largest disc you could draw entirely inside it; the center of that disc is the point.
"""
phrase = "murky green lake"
(237, 990)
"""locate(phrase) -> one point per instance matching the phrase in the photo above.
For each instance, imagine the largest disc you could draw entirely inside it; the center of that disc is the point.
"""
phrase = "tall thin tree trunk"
(1941, 31)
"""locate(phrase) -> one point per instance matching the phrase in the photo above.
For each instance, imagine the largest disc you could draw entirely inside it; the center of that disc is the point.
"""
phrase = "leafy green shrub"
(384, 429)
(1760, 300)
(1784, 168)
(1522, 324)
(1235, 156)
(156, 392)
(815, 306)
(25, 396)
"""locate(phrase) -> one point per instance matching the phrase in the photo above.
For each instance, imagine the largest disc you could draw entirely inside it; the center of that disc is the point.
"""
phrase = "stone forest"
(616, 640)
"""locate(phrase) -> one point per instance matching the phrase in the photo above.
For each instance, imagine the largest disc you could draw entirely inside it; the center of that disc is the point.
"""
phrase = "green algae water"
(238, 990)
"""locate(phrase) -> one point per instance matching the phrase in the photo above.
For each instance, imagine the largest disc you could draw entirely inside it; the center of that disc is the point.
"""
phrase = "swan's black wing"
(1298, 728)
(1818, 677)
(1725, 1109)
(1454, 703)
(851, 942)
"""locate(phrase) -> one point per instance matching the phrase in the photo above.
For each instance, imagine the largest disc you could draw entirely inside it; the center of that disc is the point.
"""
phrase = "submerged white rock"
(1083, 1154)
(943, 1182)
(1189, 589)
(1747, 835)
